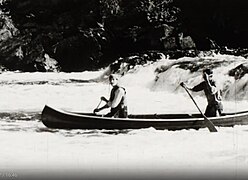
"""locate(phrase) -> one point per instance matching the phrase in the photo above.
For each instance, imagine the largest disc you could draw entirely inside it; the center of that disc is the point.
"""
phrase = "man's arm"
(196, 88)
(99, 109)
(212, 87)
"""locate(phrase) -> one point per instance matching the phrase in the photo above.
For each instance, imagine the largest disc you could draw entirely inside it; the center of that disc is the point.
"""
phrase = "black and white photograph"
(123, 89)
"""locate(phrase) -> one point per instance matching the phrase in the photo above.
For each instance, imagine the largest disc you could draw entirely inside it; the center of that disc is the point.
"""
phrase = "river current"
(29, 149)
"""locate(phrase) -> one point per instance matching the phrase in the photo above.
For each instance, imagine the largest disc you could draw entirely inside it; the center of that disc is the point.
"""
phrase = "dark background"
(90, 34)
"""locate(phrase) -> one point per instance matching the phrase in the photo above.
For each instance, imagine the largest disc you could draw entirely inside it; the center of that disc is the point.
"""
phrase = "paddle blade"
(209, 125)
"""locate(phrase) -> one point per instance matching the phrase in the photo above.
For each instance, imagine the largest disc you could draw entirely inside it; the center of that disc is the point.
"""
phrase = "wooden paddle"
(97, 107)
(208, 123)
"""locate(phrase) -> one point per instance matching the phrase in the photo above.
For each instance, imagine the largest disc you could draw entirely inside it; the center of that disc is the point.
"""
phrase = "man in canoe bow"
(117, 101)
(213, 95)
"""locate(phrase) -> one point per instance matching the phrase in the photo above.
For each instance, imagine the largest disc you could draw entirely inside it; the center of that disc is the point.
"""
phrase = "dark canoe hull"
(55, 118)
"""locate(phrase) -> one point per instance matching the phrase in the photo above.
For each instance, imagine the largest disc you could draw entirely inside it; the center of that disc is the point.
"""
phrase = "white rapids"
(29, 148)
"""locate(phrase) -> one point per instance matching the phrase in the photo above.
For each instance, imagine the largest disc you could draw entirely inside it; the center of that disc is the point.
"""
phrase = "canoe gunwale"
(149, 119)
(57, 118)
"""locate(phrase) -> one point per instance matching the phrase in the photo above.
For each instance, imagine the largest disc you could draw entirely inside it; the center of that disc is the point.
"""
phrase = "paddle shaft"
(208, 123)
(99, 104)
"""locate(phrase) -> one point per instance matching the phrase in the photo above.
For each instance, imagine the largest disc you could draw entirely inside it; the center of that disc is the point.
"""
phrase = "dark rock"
(56, 28)
(239, 71)
(170, 43)
(187, 42)
(123, 65)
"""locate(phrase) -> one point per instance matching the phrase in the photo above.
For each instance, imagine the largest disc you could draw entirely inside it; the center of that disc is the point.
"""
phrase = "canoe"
(57, 118)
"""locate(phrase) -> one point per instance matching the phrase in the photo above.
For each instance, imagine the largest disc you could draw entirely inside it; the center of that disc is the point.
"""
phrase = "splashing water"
(162, 79)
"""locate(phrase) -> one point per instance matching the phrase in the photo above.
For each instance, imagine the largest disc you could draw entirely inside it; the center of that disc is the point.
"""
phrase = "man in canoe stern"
(117, 101)
(213, 95)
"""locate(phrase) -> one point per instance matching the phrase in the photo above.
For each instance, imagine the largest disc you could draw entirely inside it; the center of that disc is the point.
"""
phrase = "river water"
(28, 149)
